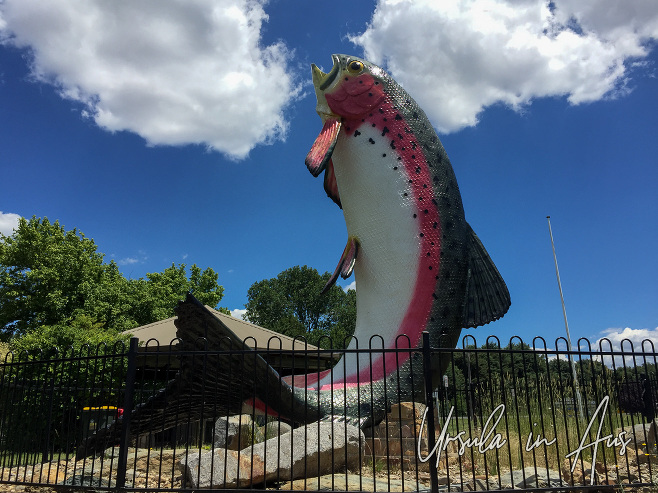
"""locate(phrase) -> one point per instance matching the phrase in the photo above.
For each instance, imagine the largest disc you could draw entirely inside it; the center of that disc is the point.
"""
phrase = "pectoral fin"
(345, 264)
(320, 153)
(330, 185)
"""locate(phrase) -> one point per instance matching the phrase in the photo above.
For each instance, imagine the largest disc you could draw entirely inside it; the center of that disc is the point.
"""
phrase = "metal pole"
(429, 401)
(579, 400)
(122, 465)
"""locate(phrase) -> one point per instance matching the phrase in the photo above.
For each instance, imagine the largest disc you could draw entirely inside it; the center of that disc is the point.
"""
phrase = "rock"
(539, 478)
(644, 435)
(575, 477)
(275, 428)
(88, 481)
(219, 467)
(236, 432)
(407, 411)
(313, 450)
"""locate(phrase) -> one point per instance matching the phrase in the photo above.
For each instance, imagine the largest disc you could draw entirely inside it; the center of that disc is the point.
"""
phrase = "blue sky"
(177, 133)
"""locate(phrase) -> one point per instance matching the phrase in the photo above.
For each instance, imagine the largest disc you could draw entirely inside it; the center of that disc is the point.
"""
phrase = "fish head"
(350, 89)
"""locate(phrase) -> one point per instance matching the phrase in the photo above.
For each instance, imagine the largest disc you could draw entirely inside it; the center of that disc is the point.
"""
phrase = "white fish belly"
(378, 206)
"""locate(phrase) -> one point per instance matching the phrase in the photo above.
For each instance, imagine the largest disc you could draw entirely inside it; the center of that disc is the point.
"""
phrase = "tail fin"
(218, 373)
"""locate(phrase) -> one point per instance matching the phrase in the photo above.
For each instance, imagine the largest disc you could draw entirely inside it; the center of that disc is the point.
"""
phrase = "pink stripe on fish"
(385, 118)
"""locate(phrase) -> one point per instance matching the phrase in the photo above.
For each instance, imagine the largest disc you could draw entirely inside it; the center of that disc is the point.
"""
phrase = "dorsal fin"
(487, 298)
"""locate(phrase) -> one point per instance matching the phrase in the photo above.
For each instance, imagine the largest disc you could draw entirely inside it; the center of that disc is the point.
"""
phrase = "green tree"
(50, 276)
(293, 304)
(44, 271)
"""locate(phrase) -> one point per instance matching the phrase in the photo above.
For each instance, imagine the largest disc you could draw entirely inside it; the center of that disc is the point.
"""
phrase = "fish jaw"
(321, 81)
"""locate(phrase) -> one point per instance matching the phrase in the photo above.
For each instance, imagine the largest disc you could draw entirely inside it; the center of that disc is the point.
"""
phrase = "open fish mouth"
(321, 81)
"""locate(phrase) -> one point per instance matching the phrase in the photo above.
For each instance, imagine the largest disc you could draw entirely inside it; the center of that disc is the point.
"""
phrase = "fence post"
(429, 401)
(127, 412)
(45, 454)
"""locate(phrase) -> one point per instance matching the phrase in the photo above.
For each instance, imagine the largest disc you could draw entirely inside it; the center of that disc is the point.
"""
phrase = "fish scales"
(418, 266)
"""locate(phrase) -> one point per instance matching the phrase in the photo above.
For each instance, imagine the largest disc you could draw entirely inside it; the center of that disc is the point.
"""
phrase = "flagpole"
(579, 400)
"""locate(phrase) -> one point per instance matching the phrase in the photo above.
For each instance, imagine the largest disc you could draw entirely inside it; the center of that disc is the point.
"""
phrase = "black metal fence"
(502, 417)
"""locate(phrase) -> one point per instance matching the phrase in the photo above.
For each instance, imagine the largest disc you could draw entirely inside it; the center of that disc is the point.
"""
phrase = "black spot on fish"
(405, 194)
(430, 267)
(385, 130)
(413, 156)
(435, 224)
(413, 144)
(424, 185)
(360, 82)
(371, 141)
(374, 124)
(376, 83)
(400, 136)
(381, 110)
(392, 145)
(384, 155)
(426, 211)
(435, 296)
(417, 169)
(356, 133)
(421, 234)
(404, 149)
(370, 94)
(398, 117)
(395, 168)
(415, 216)
(429, 254)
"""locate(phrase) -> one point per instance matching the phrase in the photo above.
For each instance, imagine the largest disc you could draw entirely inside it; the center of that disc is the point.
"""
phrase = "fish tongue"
(320, 153)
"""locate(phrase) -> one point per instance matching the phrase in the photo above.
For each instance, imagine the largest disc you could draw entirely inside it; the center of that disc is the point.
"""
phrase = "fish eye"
(354, 67)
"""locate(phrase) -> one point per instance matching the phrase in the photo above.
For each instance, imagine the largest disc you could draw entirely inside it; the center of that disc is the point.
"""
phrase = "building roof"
(164, 331)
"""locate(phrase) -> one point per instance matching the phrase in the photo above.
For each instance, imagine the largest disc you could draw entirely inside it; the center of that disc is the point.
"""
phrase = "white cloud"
(8, 222)
(175, 72)
(128, 261)
(456, 58)
(238, 313)
(639, 342)
(351, 285)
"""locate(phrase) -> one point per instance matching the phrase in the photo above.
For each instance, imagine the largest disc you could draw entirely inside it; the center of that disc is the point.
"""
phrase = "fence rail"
(502, 417)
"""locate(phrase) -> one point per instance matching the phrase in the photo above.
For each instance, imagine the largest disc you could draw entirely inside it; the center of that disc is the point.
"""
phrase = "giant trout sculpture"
(418, 266)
